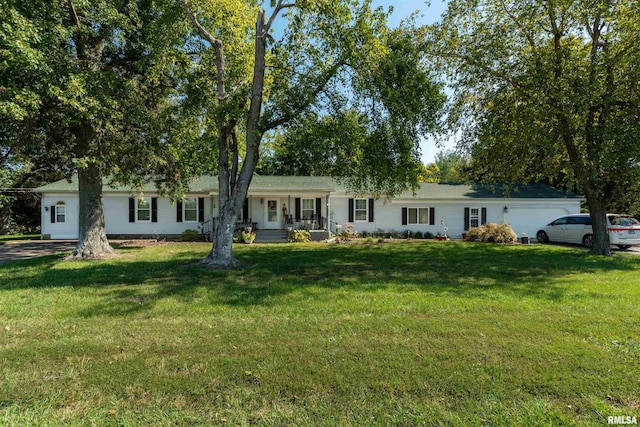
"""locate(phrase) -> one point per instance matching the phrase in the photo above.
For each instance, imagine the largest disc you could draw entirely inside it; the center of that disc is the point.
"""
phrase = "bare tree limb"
(217, 45)
(74, 15)
(277, 10)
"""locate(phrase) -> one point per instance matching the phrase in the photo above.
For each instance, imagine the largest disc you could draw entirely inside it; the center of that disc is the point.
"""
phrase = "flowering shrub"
(348, 233)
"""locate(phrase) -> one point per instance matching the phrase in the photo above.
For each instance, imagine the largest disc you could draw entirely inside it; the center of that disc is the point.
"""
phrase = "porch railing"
(206, 228)
(334, 227)
(312, 223)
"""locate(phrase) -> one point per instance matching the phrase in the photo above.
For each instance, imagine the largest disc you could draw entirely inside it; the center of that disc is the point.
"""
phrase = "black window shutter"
(318, 207)
(297, 212)
(245, 211)
(404, 216)
(53, 214)
(484, 216)
(179, 211)
(370, 210)
(200, 209)
(466, 219)
(132, 209)
(432, 216)
(154, 209)
(351, 210)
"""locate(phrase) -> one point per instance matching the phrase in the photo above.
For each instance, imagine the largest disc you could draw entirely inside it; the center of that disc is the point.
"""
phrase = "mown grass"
(433, 333)
(13, 237)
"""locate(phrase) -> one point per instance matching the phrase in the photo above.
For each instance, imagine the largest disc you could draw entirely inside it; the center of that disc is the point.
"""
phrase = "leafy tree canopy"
(547, 91)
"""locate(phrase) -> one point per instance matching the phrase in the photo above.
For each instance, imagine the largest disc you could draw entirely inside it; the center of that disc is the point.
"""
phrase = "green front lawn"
(443, 333)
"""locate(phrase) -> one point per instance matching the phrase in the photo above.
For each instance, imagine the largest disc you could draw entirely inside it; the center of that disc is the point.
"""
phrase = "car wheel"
(587, 240)
(623, 247)
(542, 237)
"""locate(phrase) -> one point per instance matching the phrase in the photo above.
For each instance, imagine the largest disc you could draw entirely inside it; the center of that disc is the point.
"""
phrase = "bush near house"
(492, 233)
(191, 236)
(299, 236)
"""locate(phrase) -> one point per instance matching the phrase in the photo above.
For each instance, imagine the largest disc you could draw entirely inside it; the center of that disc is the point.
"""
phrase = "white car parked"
(624, 231)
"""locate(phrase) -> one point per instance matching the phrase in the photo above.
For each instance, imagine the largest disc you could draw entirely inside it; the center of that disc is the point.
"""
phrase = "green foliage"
(452, 167)
(492, 233)
(89, 83)
(299, 236)
(375, 149)
(547, 91)
(191, 236)
(318, 146)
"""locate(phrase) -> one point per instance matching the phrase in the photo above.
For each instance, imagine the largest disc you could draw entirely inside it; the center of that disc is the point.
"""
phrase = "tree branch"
(526, 34)
(217, 45)
(277, 10)
(74, 16)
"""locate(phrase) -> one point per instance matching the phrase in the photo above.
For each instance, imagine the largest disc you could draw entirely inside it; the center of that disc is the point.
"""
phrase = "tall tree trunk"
(233, 189)
(601, 242)
(221, 255)
(92, 236)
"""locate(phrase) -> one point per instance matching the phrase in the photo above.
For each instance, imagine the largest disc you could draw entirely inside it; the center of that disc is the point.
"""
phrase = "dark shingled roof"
(207, 183)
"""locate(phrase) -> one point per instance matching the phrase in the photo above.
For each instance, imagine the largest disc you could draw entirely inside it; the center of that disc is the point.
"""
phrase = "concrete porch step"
(271, 236)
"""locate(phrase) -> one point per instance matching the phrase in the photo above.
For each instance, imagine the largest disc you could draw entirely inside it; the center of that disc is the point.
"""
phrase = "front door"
(272, 220)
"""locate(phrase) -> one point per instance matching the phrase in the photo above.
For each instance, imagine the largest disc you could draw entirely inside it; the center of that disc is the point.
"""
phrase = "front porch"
(273, 211)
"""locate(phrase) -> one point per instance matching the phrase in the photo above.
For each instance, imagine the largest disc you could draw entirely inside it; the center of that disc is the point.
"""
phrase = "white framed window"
(308, 208)
(360, 210)
(474, 217)
(190, 207)
(143, 210)
(418, 216)
(61, 212)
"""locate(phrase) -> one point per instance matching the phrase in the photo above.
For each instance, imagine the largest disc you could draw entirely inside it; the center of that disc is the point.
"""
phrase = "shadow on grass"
(469, 270)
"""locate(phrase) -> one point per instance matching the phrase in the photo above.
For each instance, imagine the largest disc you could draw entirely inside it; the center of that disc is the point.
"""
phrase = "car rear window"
(624, 221)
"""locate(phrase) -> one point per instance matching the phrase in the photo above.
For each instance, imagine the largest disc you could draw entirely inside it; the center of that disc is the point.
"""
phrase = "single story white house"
(317, 203)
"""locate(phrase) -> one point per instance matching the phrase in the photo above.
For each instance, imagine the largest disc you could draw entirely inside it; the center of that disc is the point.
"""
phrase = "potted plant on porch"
(248, 236)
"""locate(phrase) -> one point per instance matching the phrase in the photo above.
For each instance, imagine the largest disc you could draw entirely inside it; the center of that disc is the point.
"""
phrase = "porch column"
(328, 207)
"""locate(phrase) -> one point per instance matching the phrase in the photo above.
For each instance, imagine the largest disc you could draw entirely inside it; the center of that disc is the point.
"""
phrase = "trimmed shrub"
(299, 236)
(492, 233)
(191, 236)
(428, 235)
(418, 235)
